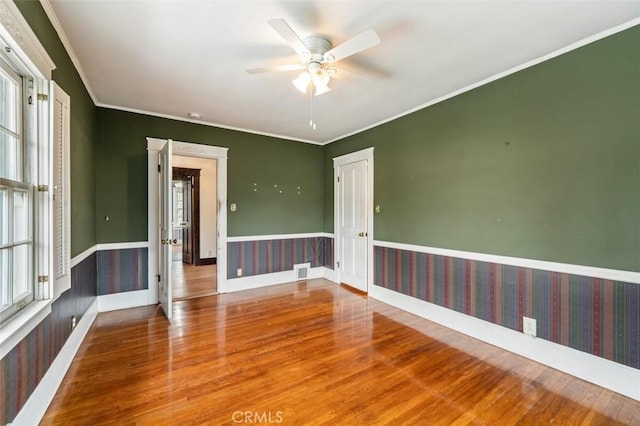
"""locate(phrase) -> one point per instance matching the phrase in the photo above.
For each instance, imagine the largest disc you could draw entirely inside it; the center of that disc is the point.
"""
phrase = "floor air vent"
(302, 271)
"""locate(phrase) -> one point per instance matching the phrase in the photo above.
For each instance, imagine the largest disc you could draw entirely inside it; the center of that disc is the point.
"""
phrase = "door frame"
(154, 145)
(184, 173)
(365, 154)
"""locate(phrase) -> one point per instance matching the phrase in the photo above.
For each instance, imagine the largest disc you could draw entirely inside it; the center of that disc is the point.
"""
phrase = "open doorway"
(159, 176)
(194, 225)
(185, 214)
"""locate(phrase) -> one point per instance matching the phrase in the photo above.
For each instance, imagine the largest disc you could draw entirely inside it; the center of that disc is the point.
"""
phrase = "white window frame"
(23, 51)
(17, 181)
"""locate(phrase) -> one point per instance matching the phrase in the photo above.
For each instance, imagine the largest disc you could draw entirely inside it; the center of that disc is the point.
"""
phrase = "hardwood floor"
(311, 353)
(189, 281)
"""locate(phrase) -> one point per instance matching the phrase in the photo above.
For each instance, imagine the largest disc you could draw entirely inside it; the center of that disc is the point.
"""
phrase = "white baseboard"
(330, 274)
(264, 280)
(128, 299)
(37, 404)
(608, 374)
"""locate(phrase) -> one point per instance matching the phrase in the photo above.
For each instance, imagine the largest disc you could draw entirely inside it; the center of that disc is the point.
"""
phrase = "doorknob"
(362, 234)
(175, 241)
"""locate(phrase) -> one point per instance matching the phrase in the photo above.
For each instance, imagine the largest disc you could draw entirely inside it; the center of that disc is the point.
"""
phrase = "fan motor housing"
(317, 45)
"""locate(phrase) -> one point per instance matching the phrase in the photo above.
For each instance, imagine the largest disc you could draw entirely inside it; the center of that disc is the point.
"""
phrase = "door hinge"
(338, 265)
(158, 277)
(159, 168)
(43, 188)
(43, 278)
(43, 97)
(338, 179)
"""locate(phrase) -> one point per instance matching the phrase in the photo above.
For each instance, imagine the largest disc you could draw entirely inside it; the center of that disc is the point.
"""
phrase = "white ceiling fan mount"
(317, 55)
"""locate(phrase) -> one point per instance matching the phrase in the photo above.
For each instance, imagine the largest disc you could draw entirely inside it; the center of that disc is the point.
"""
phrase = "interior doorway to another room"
(194, 224)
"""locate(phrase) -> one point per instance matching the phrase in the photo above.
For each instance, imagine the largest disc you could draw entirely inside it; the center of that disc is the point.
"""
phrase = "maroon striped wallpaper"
(122, 270)
(268, 256)
(597, 316)
(24, 366)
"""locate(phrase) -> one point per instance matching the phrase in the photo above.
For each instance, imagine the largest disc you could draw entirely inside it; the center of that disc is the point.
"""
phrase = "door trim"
(365, 154)
(154, 145)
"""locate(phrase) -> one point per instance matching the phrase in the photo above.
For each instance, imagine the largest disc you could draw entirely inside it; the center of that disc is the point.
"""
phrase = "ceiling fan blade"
(275, 68)
(285, 31)
(352, 46)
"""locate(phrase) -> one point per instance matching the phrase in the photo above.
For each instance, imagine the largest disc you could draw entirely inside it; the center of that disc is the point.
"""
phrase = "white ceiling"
(170, 58)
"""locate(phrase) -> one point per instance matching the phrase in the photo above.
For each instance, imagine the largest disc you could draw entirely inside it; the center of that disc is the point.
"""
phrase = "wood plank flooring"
(189, 281)
(311, 353)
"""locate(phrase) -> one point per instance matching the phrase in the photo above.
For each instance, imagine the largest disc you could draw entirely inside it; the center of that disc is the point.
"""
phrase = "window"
(26, 168)
(16, 200)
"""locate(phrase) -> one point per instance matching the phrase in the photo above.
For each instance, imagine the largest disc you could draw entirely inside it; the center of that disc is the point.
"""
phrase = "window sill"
(21, 325)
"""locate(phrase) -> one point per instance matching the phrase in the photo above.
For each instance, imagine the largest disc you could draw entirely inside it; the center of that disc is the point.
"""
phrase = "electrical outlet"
(529, 326)
(239, 272)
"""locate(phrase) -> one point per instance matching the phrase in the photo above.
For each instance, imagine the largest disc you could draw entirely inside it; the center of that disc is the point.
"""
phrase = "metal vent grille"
(302, 271)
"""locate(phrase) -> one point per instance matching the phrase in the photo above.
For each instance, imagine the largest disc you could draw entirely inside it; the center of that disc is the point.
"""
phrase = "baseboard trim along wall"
(264, 280)
(125, 300)
(602, 372)
(37, 404)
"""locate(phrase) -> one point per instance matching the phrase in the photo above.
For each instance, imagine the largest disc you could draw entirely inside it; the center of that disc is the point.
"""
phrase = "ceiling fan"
(317, 57)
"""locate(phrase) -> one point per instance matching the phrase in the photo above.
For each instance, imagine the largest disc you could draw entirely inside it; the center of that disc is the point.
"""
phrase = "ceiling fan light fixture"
(302, 82)
(320, 78)
(321, 90)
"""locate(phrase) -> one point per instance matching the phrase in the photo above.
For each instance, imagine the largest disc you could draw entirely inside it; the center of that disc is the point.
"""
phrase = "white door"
(352, 224)
(166, 228)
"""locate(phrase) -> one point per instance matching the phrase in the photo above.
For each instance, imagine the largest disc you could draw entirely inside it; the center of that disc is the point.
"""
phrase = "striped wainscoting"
(25, 365)
(597, 316)
(328, 253)
(259, 257)
(122, 270)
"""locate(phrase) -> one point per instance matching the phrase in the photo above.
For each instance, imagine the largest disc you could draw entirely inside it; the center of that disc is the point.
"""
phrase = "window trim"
(21, 324)
(31, 60)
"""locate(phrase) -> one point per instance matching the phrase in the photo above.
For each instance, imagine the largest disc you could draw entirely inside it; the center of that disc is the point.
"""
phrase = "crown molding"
(573, 46)
(53, 18)
(48, 8)
(205, 123)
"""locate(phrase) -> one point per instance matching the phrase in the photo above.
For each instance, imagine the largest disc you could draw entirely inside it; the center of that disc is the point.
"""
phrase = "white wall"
(208, 201)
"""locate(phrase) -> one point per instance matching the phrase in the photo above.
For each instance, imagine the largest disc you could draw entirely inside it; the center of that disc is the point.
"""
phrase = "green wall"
(255, 162)
(542, 164)
(83, 125)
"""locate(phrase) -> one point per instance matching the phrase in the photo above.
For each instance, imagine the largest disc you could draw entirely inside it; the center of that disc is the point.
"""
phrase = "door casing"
(154, 145)
(365, 154)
